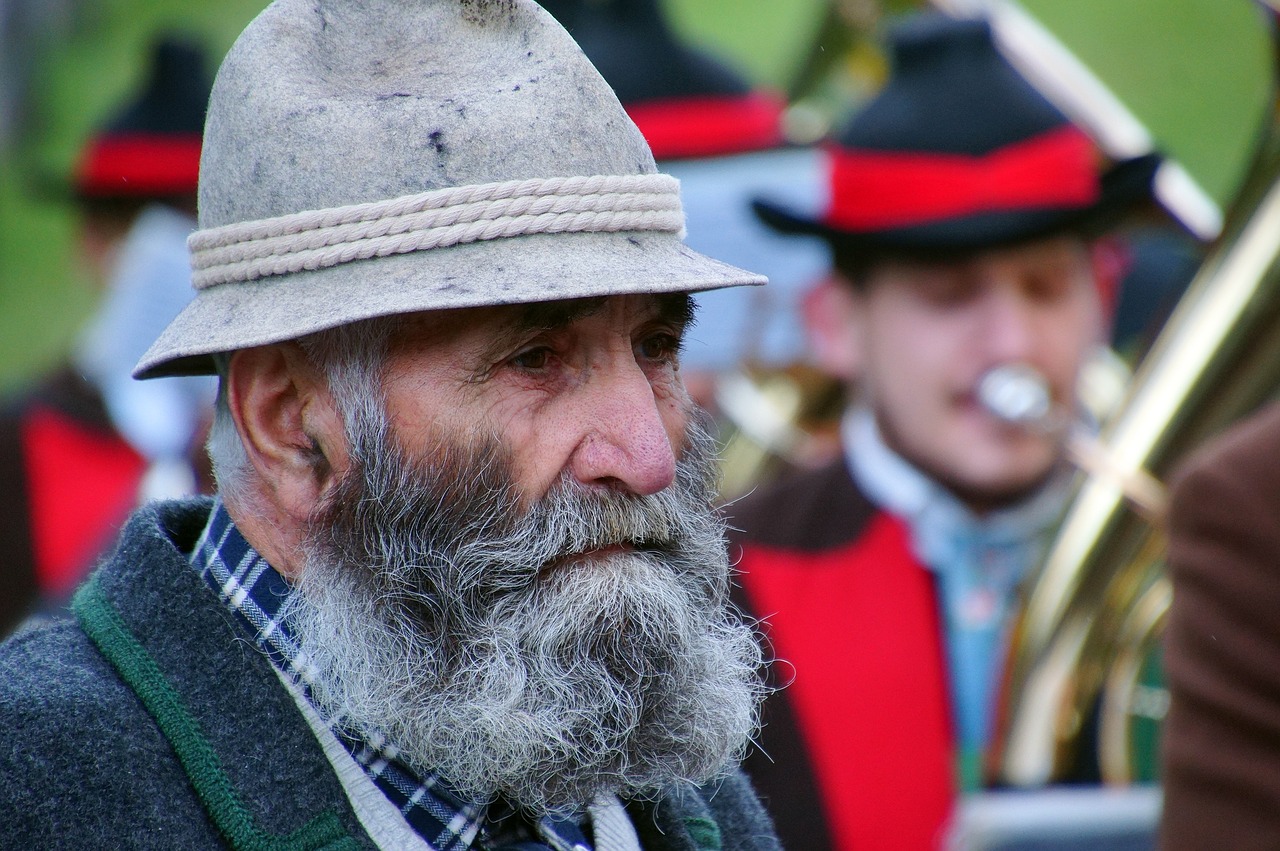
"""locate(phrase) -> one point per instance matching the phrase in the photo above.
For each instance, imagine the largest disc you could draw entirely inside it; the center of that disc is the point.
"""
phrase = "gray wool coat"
(149, 722)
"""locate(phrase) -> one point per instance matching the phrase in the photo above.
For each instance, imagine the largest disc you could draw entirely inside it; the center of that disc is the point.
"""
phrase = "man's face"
(929, 332)
(541, 615)
(587, 387)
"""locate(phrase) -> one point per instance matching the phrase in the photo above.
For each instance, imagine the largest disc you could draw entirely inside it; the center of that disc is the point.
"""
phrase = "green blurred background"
(1198, 73)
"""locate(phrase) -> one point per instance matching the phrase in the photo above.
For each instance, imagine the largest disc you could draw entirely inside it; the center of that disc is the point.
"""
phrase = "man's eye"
(532, 358)
(1048, 288)
(659, 347)
(949, 291)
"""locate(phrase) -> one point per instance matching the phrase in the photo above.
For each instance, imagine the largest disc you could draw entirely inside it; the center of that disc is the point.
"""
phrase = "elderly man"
(963, 216)
(462, 587)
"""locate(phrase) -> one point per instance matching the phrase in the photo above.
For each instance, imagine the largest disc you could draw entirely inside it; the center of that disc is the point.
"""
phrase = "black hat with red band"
(959, 153)
(151, 147)
(685, 102)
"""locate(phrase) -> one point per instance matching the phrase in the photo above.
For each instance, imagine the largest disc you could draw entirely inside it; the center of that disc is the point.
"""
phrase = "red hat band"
(873, 191)
(707, 126)
(141, 164)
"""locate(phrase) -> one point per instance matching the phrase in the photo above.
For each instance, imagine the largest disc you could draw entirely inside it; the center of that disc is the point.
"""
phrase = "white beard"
(481, 642)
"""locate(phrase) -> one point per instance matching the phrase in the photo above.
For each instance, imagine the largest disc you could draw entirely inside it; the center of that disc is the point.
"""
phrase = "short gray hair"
(351, 357)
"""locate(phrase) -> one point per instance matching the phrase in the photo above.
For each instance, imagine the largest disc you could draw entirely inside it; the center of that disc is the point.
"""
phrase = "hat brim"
(1124, 186)
(542, 267)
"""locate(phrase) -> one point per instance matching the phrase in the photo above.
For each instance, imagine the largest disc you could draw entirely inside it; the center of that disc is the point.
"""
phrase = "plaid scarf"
(255, 594)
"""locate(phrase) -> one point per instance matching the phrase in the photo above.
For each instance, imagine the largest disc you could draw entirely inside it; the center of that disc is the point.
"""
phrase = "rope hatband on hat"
(318, 239)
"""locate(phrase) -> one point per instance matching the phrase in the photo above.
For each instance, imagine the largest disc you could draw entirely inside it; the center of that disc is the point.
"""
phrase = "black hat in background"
(685, 102)
(957, 153)
(721, 137)
(150, 147)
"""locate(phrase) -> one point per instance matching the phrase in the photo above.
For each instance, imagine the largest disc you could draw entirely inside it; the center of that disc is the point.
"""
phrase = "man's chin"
(986, 463)
(992, 491)
(998, 468)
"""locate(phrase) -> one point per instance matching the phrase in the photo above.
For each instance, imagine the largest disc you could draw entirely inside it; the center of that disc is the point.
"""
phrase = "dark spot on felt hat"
(460, 109)
(482, 12)
(437, 140)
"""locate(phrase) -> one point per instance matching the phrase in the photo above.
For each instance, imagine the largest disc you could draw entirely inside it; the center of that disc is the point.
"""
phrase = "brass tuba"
(1085, 661)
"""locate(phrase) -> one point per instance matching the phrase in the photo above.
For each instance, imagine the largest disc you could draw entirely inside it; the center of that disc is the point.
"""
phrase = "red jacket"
(67, 483)
(857, 751)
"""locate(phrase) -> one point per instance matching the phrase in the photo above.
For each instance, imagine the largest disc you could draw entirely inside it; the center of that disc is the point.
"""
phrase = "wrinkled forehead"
(1066, 257)
(496, 323)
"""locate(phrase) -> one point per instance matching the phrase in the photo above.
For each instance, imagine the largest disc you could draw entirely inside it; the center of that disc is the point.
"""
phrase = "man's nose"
(1008, 331)
(625, 444)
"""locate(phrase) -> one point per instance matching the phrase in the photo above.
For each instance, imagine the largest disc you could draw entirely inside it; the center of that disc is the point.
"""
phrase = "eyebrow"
(552, 315)
(676, 308)
(549, 316)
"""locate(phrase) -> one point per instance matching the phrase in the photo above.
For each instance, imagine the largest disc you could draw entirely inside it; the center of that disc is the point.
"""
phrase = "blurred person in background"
(84, 445)
(965, 217)
(1220, 742)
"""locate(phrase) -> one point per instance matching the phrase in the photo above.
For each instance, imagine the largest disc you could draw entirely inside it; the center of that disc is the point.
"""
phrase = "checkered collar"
(255, 594)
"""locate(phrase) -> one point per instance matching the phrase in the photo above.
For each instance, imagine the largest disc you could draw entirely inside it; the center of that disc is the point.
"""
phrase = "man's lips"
(583, 556)
(603, 552)
(968, 406)
(967, 402)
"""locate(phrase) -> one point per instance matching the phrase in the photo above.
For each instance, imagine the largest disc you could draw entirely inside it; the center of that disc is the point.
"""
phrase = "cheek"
(676, 421)
(675, 406)
(1066, 344)
(911, 360)
(539, 437)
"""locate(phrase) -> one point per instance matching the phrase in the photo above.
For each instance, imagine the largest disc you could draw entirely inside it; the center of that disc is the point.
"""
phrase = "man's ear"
(1110, 259)
(832, 311)
(289, 424)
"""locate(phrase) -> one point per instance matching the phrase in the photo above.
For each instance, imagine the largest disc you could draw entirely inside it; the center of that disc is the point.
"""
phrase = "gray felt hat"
(370, 157)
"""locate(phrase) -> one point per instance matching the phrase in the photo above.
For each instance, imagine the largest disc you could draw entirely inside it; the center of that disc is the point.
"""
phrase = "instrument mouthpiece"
(1016, 393)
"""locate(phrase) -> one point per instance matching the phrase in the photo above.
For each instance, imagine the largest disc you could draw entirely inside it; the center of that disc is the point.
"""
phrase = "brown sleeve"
(810, 511)
(1221, 739)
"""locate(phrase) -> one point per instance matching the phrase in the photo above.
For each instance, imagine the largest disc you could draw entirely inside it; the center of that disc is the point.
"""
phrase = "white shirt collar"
(939, 522)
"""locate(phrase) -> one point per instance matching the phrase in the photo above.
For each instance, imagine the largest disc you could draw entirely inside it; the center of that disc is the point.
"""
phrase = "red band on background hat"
(140, 165)
(709, 126)
(881, 190)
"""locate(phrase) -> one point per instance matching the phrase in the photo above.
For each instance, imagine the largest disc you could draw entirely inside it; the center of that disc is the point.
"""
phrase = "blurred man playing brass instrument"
(969, 288)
